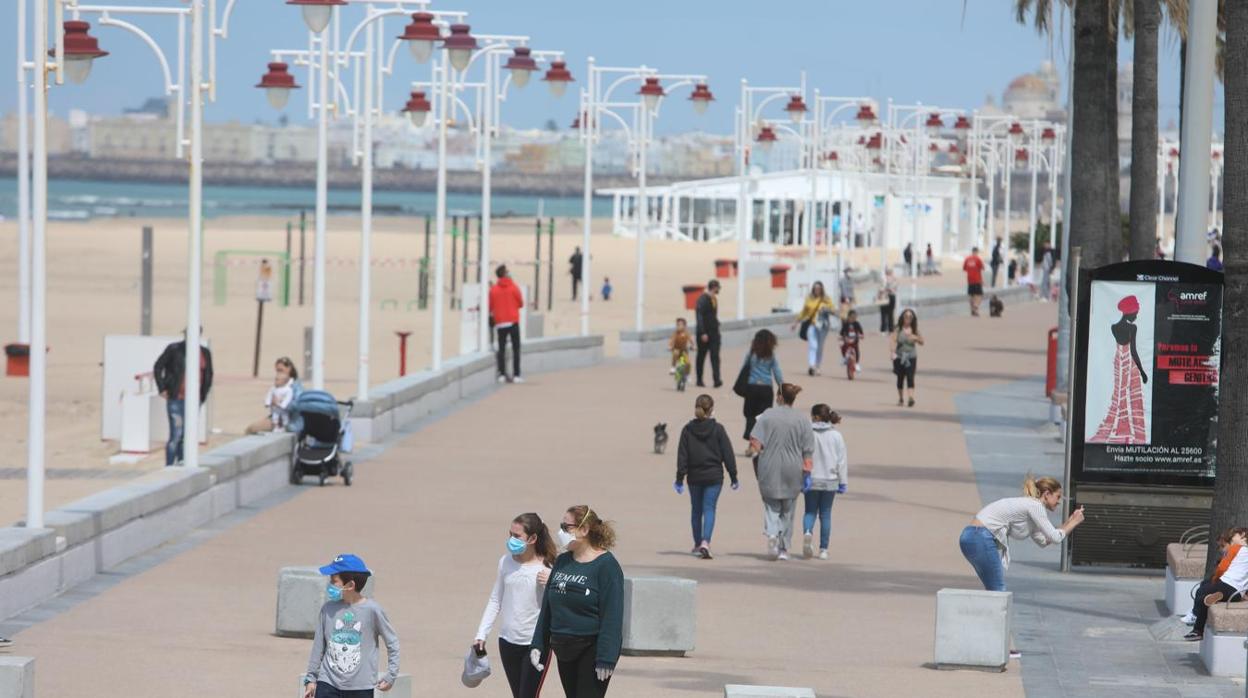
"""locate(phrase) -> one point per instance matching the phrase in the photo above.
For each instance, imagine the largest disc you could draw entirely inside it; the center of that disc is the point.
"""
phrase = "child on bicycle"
(851, 335)
(680, 344)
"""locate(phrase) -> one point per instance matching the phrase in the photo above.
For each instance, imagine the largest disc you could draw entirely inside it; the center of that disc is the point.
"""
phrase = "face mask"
(516, 546)
(333, 593)
(564, 538)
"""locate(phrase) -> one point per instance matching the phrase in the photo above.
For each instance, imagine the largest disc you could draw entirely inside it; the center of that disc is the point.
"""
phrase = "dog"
(660, 437)
(995, 306)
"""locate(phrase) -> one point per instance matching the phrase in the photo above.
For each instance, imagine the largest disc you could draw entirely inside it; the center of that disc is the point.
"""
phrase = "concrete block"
(147, 532)
(733, 690)
(21, 546)
(74, 526)
(224, 466)
(263, 481)
(300, 595)
(659, 615)
(17, 677)
(1224, 654)
(402, 687)
(973, 628)
(1179, 593)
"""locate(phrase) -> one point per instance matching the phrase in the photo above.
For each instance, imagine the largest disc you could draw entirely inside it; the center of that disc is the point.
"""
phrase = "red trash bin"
(17, 360)
(725, 268)
(780, 276)
(692, 293)
(1050, 373)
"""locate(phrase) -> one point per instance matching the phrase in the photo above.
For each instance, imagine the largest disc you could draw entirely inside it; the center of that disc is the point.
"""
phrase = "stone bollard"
(972, 628)
(402, 687)
(659, 617)
(300, 595)
(17, 677)
(733, 690)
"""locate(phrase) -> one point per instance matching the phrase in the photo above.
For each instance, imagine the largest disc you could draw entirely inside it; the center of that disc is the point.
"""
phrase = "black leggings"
(758, 398)
(578, 657)
(512, 331)
(905, 374)
(887, 312)
(525, 680)
(1199, 609)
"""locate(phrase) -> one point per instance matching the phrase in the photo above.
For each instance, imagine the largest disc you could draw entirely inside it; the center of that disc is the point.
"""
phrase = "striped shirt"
(1018, 518)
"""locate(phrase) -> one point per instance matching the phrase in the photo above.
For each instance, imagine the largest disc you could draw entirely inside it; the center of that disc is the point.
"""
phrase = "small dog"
(995, 306)
(660, 437)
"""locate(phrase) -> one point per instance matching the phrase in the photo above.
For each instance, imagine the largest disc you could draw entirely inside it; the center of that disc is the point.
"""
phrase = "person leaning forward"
(707, 310)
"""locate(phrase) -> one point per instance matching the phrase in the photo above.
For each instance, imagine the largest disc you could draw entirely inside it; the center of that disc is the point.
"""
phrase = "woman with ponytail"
(985, 542)
(517, 596)
(582, 616)
(704, 453)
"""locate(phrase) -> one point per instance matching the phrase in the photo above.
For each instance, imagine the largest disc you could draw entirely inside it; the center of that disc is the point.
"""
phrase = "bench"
(1222, 649)
(972, 629)
(1185, 567)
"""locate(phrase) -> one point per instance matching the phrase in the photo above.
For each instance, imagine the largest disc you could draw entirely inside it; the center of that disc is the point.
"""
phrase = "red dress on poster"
(1124, 420)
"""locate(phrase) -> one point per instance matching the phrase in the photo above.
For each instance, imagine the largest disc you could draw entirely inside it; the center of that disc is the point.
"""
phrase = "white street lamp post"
(23, 181)
(38, 275)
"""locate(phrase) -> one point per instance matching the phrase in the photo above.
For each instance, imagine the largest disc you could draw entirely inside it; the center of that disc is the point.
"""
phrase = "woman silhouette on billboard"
(1124, 421)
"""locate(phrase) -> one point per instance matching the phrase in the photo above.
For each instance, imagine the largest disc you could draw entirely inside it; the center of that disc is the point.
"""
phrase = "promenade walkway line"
(431, 515)
(1082, 634)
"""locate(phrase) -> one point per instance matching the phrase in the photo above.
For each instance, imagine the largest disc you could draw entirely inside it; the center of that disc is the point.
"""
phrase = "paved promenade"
(430, 514)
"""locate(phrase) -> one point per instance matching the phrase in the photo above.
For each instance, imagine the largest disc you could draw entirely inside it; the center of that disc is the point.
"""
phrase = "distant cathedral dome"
(1033, 95)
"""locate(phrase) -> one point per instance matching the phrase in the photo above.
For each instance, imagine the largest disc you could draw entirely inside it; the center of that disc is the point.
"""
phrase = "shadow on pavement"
(1009, 350)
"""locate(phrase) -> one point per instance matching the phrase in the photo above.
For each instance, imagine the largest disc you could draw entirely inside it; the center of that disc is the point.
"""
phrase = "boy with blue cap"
(344, 651)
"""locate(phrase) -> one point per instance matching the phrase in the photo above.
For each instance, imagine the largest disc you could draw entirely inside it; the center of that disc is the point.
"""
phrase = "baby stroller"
(323, 436)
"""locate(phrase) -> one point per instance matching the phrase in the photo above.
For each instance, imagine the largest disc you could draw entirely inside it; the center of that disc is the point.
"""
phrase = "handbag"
(743, 380)
(805, 328)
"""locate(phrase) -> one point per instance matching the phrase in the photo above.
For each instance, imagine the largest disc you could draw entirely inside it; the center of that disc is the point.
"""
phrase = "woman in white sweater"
(517, 598)
(985, 542)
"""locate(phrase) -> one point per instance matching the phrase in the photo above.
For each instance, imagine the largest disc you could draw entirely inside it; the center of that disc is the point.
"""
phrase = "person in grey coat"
(785, 444)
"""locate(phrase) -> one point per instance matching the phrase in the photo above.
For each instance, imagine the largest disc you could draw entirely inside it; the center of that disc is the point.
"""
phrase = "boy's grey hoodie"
(830, 466)
(344, 650)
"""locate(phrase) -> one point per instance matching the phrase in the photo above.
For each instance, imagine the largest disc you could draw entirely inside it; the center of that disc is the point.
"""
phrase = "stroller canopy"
(315, 402)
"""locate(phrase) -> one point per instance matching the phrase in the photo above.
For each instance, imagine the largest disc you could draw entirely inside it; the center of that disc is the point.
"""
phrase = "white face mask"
(564, 538)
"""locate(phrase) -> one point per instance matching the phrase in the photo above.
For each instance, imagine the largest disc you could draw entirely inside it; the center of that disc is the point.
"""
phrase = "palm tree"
(1145, 24)
(1230, 493)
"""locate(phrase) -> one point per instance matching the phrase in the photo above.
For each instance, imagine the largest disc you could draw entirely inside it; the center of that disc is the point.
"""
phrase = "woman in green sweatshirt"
(582, 616)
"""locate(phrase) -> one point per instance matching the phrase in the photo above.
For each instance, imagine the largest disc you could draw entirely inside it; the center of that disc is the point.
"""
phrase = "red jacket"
(505, 301)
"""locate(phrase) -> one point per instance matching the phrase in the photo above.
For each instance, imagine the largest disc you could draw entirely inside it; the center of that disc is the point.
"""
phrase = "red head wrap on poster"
(1129, 305)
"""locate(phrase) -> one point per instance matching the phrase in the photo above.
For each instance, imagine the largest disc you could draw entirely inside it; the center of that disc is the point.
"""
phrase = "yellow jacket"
(813, 306)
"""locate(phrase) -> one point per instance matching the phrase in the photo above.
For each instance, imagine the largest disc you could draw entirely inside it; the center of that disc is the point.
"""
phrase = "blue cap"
(345, 562)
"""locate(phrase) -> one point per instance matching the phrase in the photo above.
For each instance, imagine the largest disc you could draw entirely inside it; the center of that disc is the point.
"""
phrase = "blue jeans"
(704, 498)
(177, 420)
(819, 504)
(980, 549)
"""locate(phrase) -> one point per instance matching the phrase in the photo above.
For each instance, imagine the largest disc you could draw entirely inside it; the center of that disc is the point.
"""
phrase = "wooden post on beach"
(537, 266)
(255, 357)
(550, 267)
(303, 229)
(145, 315)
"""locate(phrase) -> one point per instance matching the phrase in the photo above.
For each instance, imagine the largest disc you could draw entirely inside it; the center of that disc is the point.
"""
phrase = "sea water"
(84, 200)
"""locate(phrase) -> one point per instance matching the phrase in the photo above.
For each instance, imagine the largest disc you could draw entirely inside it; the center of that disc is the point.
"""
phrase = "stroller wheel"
(296, 477)
(348, 470)
(322, 480)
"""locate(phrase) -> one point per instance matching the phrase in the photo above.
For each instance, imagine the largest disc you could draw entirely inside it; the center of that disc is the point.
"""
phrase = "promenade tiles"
(431, 514)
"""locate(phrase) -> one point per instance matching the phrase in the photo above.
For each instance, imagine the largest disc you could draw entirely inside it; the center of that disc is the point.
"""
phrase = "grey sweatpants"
(778, 519)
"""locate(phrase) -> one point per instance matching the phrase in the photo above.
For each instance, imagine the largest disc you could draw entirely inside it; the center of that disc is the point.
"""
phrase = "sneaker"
(671, 371)
(784, 555)
(773, 548)
(1193, 636)
(1211, 599)
(1189, 619)
(858, 367)
(502, 379)
(719, 384)
(808, 547)
(810, 371)
(1015, 654)
(517, 379)
(704, 553)
(823, 554)
(696, 552)
(908, 404)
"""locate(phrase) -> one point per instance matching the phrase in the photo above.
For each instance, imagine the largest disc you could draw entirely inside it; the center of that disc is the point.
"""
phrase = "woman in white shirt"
(985, 542)
(517, 598)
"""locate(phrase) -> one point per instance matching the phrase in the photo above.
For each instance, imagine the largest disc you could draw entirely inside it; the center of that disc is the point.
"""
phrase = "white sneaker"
(784, 555)
(808, 547)
(1189, 619)
(671, 371)
(502, 379)
(773, 548)
(823, 554)
(517, 379)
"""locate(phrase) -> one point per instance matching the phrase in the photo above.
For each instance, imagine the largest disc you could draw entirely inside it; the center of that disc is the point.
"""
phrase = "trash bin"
(692, 293)
(725, 268)
(780, 276)
(17, 359)
(1050, 373)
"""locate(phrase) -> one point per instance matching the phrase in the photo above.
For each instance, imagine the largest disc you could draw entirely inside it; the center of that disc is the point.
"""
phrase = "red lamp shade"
(832, 156)
(875, 142)
(81, 49)
(460, 45)
(1016, 129)
(317, 13)
(1020, 155)
(701, 97)
(417, 108)
(651, 91)
(521, 65)
(557, 77)
(277, 84)
(1174, 152)
(933, 123)
(420, 35)
(865, 115)
(953, 149)
(933, 148)
(962, 124)
(1216, 155)
(1048, 135)
(766, 138)
(796, 108)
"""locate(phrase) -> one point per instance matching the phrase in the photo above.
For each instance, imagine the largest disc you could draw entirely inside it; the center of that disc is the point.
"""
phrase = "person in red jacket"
(505, 303)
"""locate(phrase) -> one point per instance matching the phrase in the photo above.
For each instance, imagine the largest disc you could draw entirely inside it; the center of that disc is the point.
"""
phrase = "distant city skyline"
(943, 52)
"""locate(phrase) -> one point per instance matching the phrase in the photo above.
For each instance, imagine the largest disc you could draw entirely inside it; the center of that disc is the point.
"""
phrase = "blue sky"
(946, 52)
